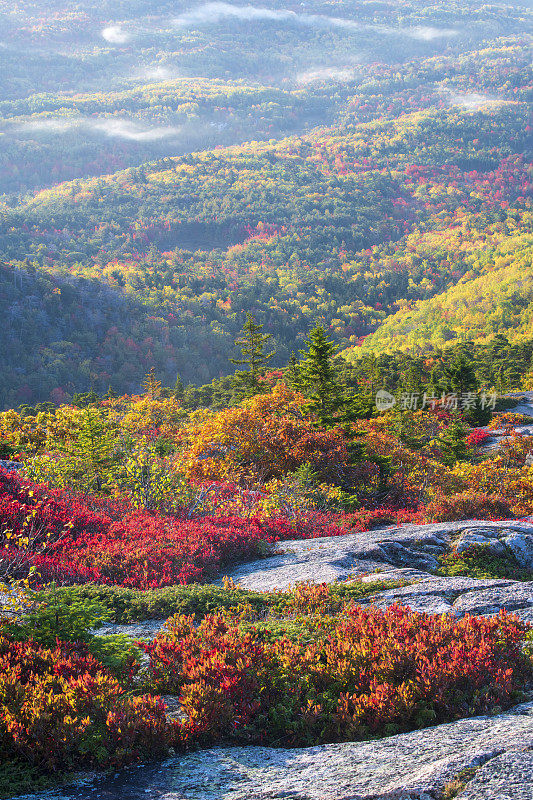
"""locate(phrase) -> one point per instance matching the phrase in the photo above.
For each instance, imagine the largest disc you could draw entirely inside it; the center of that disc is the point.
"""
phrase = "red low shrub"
(370, 672)
(367, 518)
(146, 550)
(477, 437)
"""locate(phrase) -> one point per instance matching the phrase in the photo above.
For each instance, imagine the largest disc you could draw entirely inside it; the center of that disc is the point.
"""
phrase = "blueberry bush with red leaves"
(365, 673)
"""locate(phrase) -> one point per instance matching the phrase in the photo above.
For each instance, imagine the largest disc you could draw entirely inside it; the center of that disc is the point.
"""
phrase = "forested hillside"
(493, 297)
(266, 399)
(393, 214)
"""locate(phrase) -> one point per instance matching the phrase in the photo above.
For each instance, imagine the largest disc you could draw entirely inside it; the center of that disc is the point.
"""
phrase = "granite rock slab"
(338, 558)
(506, 777)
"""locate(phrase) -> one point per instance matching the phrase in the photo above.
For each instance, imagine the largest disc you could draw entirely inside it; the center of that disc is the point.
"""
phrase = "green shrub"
(479, 562)
(120, 605)
(117, 653)
(18, 777)
(59, 615)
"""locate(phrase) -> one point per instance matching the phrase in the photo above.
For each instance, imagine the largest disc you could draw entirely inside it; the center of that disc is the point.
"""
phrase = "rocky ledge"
(410, 554)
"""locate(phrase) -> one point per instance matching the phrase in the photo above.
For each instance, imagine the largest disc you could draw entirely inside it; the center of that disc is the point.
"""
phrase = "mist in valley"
(256, 71)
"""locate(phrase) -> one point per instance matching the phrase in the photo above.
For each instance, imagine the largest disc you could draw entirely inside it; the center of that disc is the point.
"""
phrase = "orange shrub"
(59, 708)
(508, 420)
(505, 475)
(260, 439)
(467, 505)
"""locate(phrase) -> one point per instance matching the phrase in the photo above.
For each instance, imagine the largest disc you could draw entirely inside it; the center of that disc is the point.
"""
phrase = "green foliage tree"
(460, 376)
(328, 398)
(252, 345)
(179, 388)
(83, 399)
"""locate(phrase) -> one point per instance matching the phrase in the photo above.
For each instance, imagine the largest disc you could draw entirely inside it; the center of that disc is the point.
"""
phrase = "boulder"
(338, 558)
(147, 629)
(522, 547)
(437, 595)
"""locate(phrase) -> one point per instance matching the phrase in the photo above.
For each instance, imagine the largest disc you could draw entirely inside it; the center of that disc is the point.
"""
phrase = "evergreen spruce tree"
(94, 451)
(371, 374)
(151, 386)
(319, 379)
(330, 401)
(435, 387)
(461, 375)
(452, 443)
(513, 377)
(179, 389)
(252, 345)
(411, 374)
(292, 373)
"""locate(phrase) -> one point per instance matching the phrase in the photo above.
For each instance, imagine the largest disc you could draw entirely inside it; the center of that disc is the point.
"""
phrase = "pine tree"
(371, 374)
(319, 379)
(411, 374)
(252, 346)
(330, 401)
(459, 377)
(151, 386)
(435, 387)
(513, 377)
